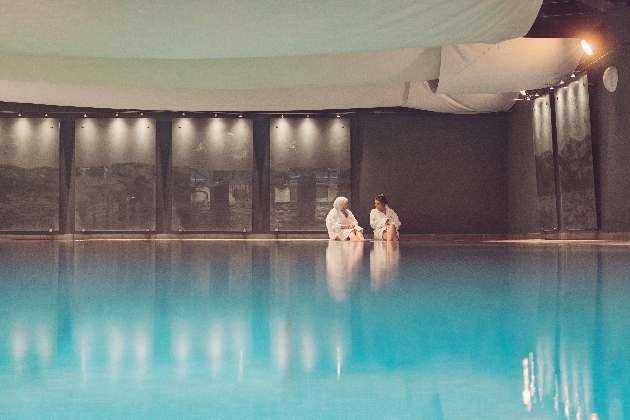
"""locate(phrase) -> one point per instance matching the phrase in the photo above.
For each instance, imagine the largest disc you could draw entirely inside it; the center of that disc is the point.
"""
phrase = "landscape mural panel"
(115, 174)
(310, 167)
(29, 174)
(212, 174)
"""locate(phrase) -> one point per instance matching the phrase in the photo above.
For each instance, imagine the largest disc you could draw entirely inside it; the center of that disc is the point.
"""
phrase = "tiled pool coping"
(620, 237)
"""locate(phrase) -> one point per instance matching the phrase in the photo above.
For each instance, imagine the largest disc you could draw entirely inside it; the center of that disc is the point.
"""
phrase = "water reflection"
(384, 261)
(343, 261)
(291, 329)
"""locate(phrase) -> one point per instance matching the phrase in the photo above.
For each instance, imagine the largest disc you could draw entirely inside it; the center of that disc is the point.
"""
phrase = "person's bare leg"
(391, 233)
(360, 235)
(353, 236)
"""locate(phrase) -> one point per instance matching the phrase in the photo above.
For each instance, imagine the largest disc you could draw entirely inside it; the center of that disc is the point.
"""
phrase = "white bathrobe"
(335, 219)
(378, 221)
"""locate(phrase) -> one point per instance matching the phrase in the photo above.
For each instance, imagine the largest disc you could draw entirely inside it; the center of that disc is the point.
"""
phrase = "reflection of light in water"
(181, 350)
(44, 345)
(240, 365)
(384, 261)
(556, 397)
(343, 260)
(544, 369)
(142, 354)
(84, 350)
(215, 348)
(338, 362)
(116, 349)
(240, 343)
(283, 337)
(18, 347)
(527, 396)
(575, 399)
(309, 351)
(532, 378)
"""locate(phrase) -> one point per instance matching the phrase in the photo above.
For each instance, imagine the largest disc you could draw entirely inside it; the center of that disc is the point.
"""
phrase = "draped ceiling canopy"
(276, 55)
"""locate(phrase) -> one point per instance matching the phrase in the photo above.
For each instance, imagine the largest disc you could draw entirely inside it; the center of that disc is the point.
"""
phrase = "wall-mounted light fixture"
(587, 48)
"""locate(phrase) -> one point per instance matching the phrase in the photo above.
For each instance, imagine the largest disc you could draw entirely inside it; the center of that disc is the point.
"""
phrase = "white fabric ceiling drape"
(276, 56)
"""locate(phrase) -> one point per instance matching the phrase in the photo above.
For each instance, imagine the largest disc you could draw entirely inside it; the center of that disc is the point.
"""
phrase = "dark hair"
(381, 199)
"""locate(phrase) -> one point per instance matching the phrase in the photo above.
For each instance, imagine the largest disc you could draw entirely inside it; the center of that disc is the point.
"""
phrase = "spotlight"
(183, 113)
(84, 115)
(587, 48)
(240, 115)
(117, 114)
(307, 116)
(282, 116)
(523, 93)
(337, 115)
(215, 115)
(572, 75)
(46, 114)
(19, 114)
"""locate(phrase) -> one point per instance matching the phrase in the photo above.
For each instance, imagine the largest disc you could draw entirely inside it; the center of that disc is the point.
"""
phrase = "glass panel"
(575, 156)
(115, 174)
(310, 167)
(545, 182)
(212, 173)
(29, 174)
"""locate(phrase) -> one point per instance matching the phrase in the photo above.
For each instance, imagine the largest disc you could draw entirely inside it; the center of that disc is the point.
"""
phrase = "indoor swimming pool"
(313, 329)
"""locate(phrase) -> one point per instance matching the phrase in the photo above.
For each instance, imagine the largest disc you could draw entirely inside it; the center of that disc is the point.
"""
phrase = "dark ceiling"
(570, 18)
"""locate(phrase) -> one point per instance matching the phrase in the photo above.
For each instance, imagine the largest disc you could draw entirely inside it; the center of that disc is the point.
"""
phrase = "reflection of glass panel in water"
(289, 329)
(212, 174)
(29, 174)
(575, 156)
(115, 174)
(311, 158)
(545, 178)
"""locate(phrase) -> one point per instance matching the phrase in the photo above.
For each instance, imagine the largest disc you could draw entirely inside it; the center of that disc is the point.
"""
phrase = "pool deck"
(591, 237)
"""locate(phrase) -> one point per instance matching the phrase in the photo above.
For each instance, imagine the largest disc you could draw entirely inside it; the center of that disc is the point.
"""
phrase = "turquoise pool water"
(313, 329)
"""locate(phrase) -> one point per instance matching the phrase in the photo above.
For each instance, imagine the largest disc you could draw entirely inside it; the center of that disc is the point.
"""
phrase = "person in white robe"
(384, 220)
(341, 223)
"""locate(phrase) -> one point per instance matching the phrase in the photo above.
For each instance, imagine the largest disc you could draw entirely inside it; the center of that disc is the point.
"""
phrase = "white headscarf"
(339, 202)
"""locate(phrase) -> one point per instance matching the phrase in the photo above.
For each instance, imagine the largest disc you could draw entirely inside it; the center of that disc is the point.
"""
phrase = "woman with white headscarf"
(341, 223)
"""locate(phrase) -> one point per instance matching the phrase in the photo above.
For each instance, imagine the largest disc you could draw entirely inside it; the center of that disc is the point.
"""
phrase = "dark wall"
(523, 213)
(610, 121)
(442, 173)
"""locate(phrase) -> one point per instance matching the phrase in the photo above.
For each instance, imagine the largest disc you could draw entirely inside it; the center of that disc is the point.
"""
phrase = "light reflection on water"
(236, 329)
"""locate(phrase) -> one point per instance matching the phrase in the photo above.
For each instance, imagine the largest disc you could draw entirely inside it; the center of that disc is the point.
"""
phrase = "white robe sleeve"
(393, 218)
(353, 219)
(332, 224)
